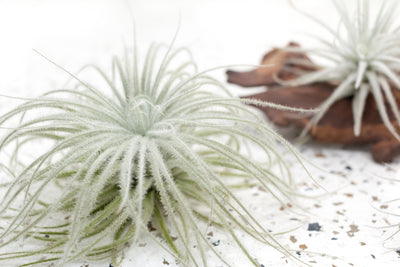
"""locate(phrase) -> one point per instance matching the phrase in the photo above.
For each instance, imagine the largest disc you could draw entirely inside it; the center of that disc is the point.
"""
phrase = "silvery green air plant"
(364, 55)
(157, 143)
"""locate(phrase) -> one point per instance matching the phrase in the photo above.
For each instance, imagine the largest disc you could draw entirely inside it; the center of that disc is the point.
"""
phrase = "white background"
(220, 32)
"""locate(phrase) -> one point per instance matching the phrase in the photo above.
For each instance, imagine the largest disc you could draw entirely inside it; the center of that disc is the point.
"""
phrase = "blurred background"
(74, 33)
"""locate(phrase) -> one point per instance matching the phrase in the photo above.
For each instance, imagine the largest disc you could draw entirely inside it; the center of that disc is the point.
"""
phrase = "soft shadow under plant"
(161, 146)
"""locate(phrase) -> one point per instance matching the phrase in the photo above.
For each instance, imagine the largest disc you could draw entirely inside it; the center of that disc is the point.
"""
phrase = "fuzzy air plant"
(364, 52)
(157, 143)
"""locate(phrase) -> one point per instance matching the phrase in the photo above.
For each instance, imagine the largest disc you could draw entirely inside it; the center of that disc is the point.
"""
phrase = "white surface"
(219, 32)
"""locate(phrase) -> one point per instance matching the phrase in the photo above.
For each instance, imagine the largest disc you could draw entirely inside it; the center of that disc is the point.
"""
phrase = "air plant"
(364, 56)
(163, 146)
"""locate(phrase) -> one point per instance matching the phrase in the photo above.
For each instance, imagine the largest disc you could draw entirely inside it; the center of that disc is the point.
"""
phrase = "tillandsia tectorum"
(156, 148)
(364, 53)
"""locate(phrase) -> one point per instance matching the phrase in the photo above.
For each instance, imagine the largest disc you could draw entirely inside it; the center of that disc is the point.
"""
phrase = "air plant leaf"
(364, 50)
(159, 144)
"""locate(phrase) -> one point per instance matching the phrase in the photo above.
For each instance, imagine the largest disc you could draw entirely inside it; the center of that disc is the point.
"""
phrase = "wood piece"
(280, 62)
(336, 126)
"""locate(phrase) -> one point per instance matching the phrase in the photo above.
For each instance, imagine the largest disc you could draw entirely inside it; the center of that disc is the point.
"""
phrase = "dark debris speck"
(314, 227)
(150, 227)
(333, 238)
(110, 265)
(298, 253)
(216, 243)
(373, 256)
(349, 168)
(398, 252)
(47, 236)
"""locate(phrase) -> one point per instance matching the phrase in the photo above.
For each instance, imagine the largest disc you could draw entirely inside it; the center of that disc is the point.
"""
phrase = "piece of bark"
(280, 64)
(337, 125)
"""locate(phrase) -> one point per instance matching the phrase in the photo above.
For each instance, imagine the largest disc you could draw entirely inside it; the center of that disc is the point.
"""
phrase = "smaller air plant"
(162, 146)
(365, 59)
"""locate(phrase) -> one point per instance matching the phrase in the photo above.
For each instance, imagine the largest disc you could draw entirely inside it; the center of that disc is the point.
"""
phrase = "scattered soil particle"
(210, 234)
(353, 229)
(320, 155)
(303, 246)
(340, 213)
(215, 244)
(373, 221)
(362, 243)
(335, 232)
(374, 198)
(314, 227)
(333, 265)
(282, 208)
(337, 203)
(67, 217)
(349, 168)
(351, 264)
(289, 205)
(165, 262)
(384, 207)
(86, 265)
(312, 262)
(150, 227)
(293, 239)
(390, 169)
(142, 245)
(260, 188)
(317, 205)
(349, 195)
(333, 238)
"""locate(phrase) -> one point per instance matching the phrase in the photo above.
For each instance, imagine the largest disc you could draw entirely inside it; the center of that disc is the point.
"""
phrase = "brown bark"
(336, 126)
(278, 64)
